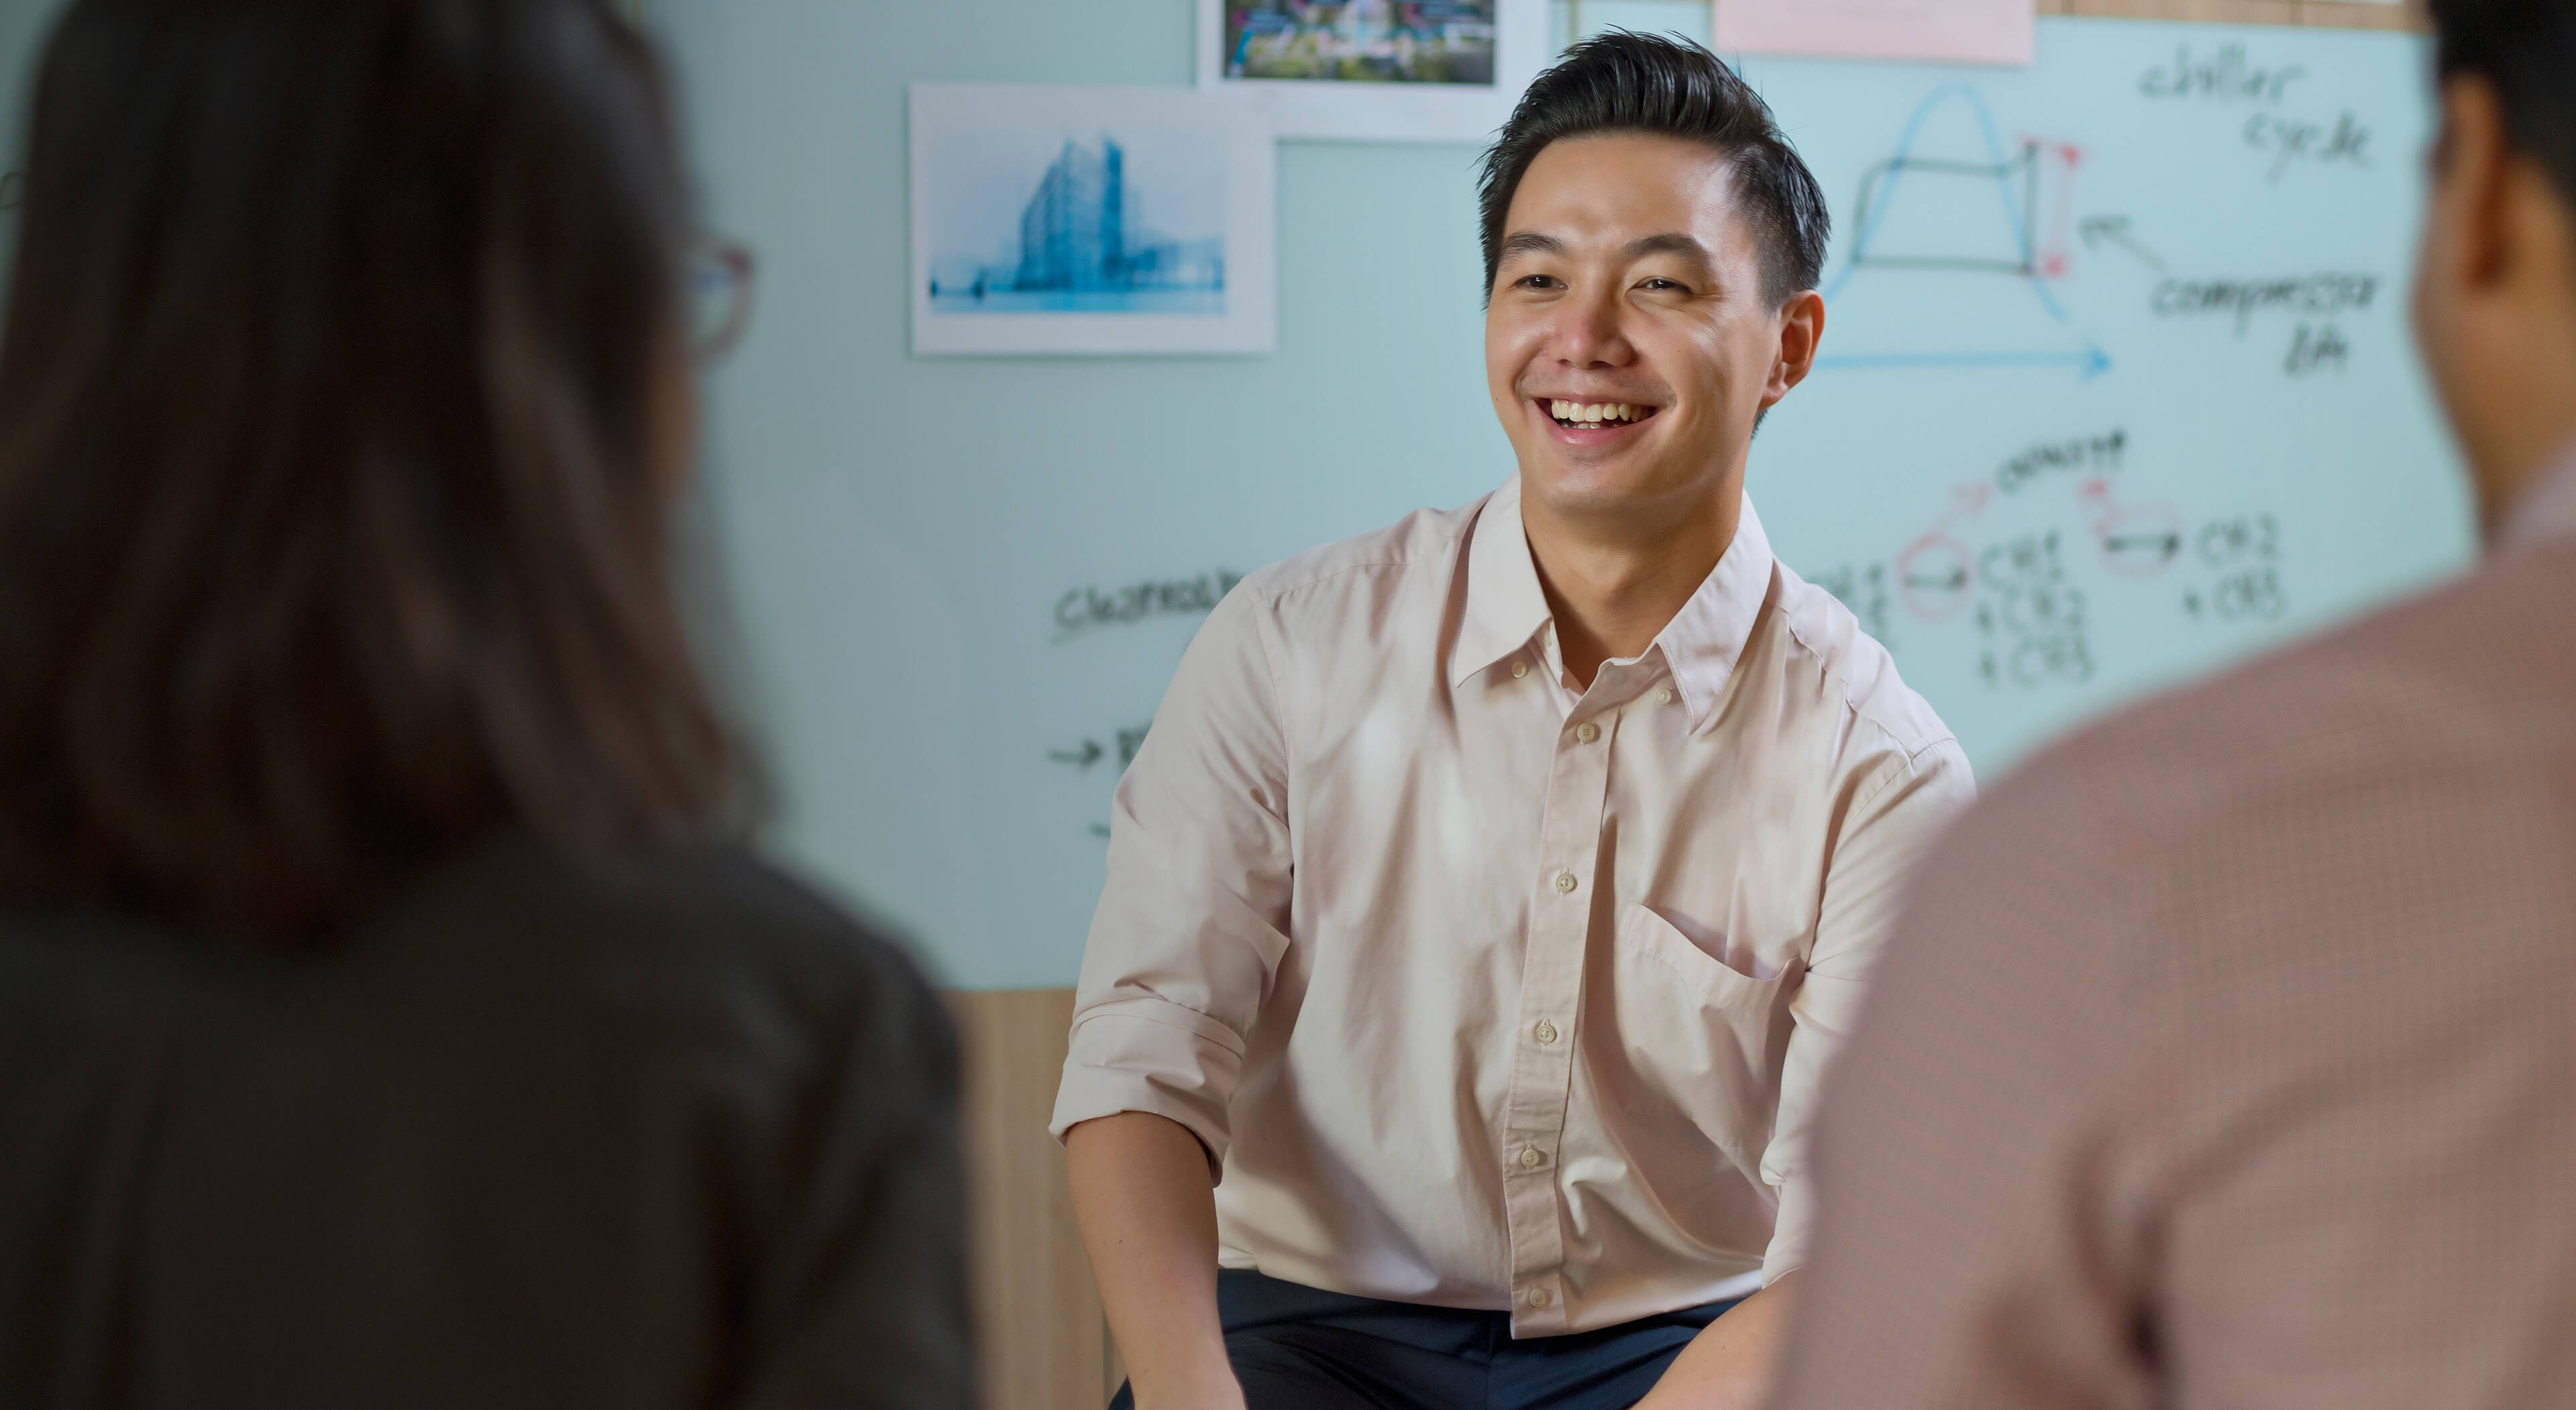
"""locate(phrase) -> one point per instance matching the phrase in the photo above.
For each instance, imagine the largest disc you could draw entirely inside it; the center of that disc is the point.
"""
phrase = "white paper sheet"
(1944, 31)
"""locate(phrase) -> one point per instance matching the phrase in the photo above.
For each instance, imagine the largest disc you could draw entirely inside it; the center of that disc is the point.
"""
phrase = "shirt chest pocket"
(1698, 1043)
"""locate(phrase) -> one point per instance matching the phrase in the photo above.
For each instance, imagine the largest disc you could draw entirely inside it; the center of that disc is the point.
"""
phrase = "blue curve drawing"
(2092, 361)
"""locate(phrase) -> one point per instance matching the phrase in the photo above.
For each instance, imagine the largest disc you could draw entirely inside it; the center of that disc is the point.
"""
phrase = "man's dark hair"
(1619, 81)
(2527, 50)
(338, 444)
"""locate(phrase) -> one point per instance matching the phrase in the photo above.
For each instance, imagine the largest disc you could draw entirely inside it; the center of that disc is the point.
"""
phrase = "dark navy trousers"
(1301, 1348)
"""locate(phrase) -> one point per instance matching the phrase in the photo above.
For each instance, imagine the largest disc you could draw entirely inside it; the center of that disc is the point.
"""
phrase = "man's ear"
(2469, 194)
(1802, 328)
(2494, 305)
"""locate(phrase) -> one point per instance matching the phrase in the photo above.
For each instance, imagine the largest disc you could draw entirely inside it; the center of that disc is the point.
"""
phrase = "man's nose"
(1588, 333)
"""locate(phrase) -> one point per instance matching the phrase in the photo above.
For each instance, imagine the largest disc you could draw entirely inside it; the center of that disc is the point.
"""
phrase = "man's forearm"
(1148, 1217)
(1729, 1365)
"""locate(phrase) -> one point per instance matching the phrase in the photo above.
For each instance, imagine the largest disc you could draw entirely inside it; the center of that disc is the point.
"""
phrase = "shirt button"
(1587, 731)
(1545, 1033)
(1531, 1159)
(1519, 669)
(1664, 695)
(1565, 881)
(1538, 1297)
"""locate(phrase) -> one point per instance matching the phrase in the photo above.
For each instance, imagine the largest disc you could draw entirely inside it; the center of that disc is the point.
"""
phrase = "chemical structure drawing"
(1935, 572)
(2223, 543)
(2244, 552)
(2021, 566)
(1952, 202)
(2138, 541)
(2032, 621)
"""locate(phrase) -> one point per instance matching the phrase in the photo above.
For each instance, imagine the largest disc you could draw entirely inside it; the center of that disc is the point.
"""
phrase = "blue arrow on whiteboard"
(2092, 362)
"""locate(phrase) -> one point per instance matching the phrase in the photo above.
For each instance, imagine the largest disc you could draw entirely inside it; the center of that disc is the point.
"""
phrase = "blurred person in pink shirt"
(2227, 1057)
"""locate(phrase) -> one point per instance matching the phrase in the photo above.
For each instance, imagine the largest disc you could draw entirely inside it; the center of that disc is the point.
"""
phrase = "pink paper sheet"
(1954, 31)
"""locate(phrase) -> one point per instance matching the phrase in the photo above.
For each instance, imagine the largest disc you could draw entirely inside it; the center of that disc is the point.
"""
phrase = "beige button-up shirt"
(1488, 992)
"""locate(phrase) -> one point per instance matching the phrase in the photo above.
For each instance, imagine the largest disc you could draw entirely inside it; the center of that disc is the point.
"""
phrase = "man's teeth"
(1597, 411)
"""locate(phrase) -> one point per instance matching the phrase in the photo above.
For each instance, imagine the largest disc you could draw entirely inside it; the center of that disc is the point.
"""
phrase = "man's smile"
(1594, 423)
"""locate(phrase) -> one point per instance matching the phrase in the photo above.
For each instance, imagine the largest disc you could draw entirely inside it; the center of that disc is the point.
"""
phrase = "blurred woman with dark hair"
(384, 1017)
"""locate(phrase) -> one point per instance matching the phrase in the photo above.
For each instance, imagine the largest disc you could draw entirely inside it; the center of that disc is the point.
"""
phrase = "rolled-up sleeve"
(1891, 827)
(1194, 917)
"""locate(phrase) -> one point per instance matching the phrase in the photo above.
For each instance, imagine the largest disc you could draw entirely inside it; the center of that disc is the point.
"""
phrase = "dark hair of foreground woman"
(341, 405)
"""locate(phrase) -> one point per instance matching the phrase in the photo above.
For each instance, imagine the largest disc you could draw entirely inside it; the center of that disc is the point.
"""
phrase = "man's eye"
(1539, 281)
(1661, 283)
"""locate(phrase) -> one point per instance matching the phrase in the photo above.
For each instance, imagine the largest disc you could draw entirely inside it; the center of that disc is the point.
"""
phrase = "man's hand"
(1729, 1365)
(1147, 1211)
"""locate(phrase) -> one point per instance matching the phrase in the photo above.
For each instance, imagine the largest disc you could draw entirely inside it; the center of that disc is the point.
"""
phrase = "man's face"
(2495, 298)
(1630, 281)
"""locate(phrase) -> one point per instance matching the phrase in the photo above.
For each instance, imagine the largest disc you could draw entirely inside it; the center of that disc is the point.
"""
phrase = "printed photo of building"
(1084, 246)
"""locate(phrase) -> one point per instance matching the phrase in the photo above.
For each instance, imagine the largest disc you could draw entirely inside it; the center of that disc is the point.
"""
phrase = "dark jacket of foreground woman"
(669, 1131)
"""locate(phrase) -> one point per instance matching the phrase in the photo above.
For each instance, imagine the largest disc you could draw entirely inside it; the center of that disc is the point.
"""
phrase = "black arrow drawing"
(2115, 228)
(1087, 756)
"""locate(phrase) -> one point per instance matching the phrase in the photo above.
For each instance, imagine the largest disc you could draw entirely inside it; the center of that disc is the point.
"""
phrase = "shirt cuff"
(1791, 1226)
(1154, 1056)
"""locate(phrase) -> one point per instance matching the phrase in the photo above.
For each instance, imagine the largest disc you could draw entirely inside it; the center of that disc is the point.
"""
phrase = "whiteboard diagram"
(2101, 365)
(1958, 213)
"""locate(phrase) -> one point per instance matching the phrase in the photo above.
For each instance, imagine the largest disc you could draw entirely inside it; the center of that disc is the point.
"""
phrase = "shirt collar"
(1700, 645)
(1707, 637)
(1505, 607)
(2547, 510)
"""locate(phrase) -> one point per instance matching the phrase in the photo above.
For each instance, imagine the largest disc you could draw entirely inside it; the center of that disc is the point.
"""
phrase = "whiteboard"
(2052, 472)
(2117, 390)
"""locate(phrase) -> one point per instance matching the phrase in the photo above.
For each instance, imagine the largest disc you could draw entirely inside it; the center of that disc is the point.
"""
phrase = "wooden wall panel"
(2333, 15)
(2217, 11)
(1045, 1344)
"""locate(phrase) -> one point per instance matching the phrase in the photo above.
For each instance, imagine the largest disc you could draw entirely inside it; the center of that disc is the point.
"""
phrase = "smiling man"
(1493, 888)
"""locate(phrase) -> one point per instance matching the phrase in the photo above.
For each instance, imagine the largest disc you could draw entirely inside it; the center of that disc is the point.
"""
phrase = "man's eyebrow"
(1530, 242)
(1671, 242)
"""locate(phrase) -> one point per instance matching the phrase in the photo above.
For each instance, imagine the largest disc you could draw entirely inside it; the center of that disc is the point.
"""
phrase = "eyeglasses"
(719, 296)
